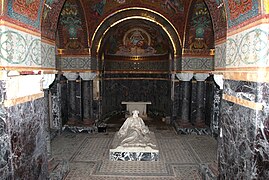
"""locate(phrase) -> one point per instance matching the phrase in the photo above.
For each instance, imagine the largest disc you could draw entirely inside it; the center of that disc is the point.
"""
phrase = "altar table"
(140, 106)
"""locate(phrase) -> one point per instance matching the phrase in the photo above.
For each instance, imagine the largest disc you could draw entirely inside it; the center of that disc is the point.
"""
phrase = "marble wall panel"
(243, 142)
(5, 146)
(262, 137)
(28, 139)
(236, 146)
(158, 92)
(241, 89)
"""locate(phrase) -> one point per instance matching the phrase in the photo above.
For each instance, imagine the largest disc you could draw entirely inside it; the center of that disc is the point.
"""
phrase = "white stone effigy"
(134, 142)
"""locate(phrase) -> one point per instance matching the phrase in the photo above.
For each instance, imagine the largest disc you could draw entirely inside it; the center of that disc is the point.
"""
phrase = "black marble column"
(72, 97)
(87, 101)
(200, 110)
(185, 111)
(185, 84)
(200, 106)
(87, 97)
(72, 102)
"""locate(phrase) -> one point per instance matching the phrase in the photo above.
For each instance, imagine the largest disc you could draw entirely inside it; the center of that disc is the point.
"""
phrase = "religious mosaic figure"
(134, 132)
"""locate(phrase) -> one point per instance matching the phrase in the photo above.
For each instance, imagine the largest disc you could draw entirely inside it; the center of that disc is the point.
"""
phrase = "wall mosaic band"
(248, 48)
(21, 49)
(74, 63)
(197, 63)
(220, 55)
(48, 55)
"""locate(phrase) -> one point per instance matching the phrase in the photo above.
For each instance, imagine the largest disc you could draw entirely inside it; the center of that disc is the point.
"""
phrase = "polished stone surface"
(243, 143)
(23, 141)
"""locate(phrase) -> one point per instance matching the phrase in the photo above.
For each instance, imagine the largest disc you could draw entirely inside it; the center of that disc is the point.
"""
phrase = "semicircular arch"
(135, 13)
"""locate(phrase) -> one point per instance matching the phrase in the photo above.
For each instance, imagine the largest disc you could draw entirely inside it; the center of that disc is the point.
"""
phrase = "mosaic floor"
(181, 157)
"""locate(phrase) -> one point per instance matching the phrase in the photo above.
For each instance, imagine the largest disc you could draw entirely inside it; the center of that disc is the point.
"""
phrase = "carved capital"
(200, 76)
(47, 80)
(184, 76)
(219, 80)
(71, 76)
(86, 76)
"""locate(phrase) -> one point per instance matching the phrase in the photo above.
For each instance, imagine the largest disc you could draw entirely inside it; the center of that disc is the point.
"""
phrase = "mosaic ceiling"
(175, 11)
(141, 38)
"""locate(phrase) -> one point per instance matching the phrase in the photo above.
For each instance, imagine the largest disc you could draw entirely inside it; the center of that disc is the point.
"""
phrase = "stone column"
(200, 109)
(87, 96)
(185, 78)
(71, 77)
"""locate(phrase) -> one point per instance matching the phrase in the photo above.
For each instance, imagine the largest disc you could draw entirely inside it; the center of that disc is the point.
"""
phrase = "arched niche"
(135, 13)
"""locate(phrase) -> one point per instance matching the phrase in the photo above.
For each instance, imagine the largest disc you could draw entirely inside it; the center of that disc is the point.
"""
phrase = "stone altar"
(140, 106)
(134, 142)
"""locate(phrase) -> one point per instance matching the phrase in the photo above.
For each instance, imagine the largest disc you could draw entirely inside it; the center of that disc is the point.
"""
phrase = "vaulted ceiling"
(189, 22)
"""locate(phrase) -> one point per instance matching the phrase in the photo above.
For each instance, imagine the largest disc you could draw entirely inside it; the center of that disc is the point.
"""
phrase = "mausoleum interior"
(134, 89)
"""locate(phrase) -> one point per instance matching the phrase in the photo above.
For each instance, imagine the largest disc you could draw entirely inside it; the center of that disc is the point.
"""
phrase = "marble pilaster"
(200, 108)
(47, 80)
(71, 77)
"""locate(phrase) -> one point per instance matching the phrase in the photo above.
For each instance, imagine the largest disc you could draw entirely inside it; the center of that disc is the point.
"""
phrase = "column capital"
(218, 78)
(200, 76)
(47, 80)
(71, 76)
(87, 75)
(184, 76)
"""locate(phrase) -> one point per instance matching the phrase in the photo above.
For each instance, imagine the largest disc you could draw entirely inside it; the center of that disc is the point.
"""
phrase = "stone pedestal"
(119, 153)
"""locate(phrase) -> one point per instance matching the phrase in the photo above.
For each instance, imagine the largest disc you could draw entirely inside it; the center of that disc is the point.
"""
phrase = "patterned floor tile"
(93, 149)
(180, 157)
(187, 172)
(132, 168)
(175, 151)
(204, 147)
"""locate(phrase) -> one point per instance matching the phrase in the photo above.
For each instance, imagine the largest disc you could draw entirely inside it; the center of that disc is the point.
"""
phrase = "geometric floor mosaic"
(180, 158)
